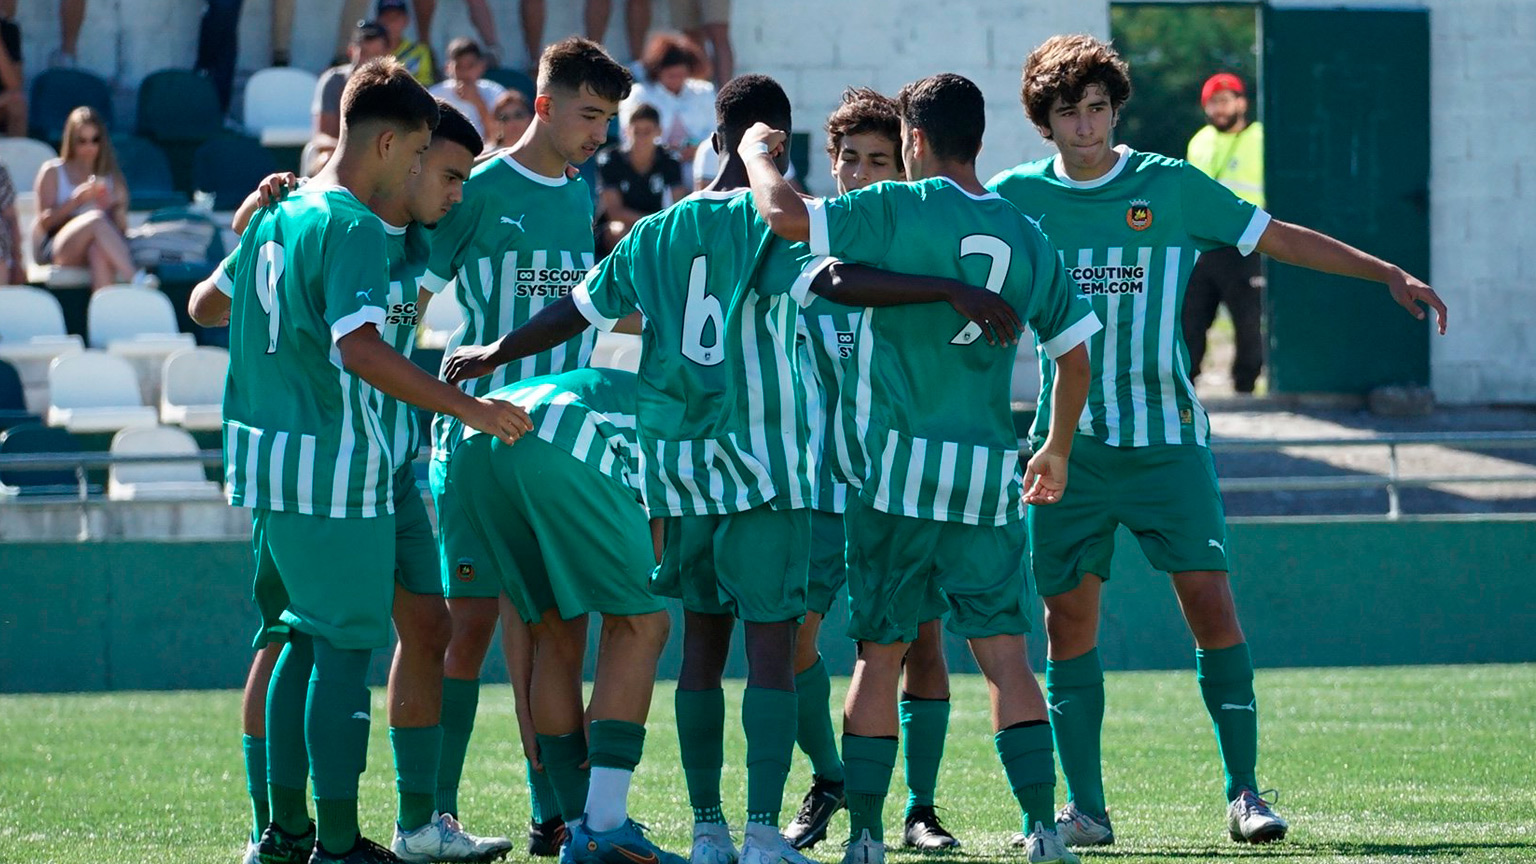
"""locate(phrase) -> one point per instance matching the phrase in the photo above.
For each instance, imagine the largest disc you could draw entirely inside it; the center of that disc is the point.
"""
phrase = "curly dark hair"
(1064, 67)
(864, 110)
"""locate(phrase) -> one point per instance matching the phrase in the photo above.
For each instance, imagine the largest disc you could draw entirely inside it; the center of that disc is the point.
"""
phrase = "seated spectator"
(13, 84)
(417, 56)
(510, 118)
(463, 88)
(368, 42)
(82, 204)
(11, 263)
(708, 22)
(635, 180)
(674, 83)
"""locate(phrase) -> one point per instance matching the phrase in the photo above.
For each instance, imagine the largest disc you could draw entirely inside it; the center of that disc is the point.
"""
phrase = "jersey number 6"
(701, 310)
(1001, 254)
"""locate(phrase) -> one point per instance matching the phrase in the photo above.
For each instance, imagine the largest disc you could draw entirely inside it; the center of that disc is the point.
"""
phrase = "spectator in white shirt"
(677, 83)
(463, 88)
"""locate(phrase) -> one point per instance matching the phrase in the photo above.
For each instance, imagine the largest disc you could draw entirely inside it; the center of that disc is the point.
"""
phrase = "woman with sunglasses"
(510, 116)
(82, 202)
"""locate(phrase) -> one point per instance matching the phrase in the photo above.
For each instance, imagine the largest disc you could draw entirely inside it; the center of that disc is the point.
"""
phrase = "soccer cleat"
(865, 850)
(1043, 846)
(1250, 820)
(923, 831)
(809, 826)
(364, 851)
(444, 839)
(279, 847)
(626, 844)
(712, 844)
(769, 847)
(1076, 828)
(546, 838)
(251, 850)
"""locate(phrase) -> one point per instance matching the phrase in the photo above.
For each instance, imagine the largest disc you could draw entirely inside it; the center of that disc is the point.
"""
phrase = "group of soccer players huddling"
(822, 408)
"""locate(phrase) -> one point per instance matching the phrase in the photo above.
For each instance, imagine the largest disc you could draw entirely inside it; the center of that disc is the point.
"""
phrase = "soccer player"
(864, 141)
(520, 241)
(421, 619)
(1130, 226)
(305, 446)
(556, 520)
(930, 440)
(725, 449)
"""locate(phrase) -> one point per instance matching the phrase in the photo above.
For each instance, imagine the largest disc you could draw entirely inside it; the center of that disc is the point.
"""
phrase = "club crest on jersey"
(465, 570)
(1139, 215)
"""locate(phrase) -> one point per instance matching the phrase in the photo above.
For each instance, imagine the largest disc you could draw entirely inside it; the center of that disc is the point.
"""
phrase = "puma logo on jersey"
(1056, 707)
(359, 715)
(1218, 546)
(1233, 706)
(508, 220)
(1036, 222)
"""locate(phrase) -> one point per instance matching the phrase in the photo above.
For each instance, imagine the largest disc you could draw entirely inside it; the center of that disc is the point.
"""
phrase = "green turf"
(1375, 765)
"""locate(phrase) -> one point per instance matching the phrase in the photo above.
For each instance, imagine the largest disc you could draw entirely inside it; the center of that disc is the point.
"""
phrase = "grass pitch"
(1374, 765)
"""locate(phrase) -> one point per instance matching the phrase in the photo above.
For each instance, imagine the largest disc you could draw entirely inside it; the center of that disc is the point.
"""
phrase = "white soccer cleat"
(1044, 846)
(1250, 820)
(252, 853)
(865, 850)
(1076, 828)
(766, 846)
(712, 844)
(444, 839)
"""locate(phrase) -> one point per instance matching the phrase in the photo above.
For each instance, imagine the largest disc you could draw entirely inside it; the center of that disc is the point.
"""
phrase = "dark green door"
(1346, 122)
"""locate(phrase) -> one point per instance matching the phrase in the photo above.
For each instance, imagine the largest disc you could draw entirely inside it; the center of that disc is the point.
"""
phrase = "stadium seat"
(23, 157)
(512, 79)
(13, 398)
(148, 173)
(442, 318)
(230, 168)
(192, 388)
(139, 325)
(94, 391)
(173, 480)
(617, 351)
(56, 92)
(36, 438)
(178, 105)
(31, 336)
(277, 106)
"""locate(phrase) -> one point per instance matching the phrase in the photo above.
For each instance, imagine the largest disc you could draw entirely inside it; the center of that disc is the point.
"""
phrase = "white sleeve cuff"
(222, 282)
(435, 283)
(1250, 239)
(800, 292)
(367, 315)
(819, 242)
(1072, 337)
(583, 300)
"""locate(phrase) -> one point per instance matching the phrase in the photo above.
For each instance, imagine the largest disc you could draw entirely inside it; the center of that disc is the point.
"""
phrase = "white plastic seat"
(277, 106)
(443, 317)
(617, 351)
(94, 391)
(31, 336)
(160, 481)
(192, 388)
(139, 325)
(23, 158)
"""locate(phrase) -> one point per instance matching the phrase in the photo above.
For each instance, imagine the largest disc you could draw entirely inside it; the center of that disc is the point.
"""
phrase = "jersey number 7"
(1001, 255)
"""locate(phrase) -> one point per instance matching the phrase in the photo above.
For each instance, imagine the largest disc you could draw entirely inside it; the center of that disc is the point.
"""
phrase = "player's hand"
(995, 316)
(275, 187)
(530, 745)
(762, 133)
(1410, 291)
(1045, 477)
(502, 419)
(470, 361)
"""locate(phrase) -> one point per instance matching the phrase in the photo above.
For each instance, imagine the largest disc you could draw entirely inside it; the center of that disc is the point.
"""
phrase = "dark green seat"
(56, 92)
(148, 173)
(37, 438)
(13, 399)
(512, 79)
(230, 167)
(178, 110)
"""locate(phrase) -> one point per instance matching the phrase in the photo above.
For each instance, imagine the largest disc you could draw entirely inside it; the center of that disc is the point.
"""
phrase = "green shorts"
(1166, 494)
(751, 564)
(829, 563)
(416, 564)
(904, 572)
(464, 564)
(553, 532)
(331, 578)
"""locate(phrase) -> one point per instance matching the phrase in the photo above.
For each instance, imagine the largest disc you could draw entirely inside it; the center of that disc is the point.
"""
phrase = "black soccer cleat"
(924, 832)
(364, 851)
(809, 826)
(277, 846)
(546, 838)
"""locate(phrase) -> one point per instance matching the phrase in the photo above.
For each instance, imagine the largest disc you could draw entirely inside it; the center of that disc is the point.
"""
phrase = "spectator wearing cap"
(369, 41)
(394, 17)
(464, 88)
(635, 180)
(1231, 150)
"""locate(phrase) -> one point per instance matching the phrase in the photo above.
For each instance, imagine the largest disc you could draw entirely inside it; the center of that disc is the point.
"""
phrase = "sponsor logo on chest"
(1105, 280)
(545, 281)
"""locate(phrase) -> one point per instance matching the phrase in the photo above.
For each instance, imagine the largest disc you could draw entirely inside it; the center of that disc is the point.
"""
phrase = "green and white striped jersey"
(721, 412)
(1130, 239)
(588, 413)
(827, 333)
(408, 251)
(517, 242)
(301, 433)
(927, 429)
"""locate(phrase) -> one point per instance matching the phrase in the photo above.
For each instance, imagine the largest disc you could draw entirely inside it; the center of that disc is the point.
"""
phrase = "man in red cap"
(1231, 150)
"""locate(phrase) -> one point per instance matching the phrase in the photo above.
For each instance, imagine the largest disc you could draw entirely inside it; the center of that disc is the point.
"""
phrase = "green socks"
(924, 724)
(768, 718)
(336, 824)
(287, 752)
(256, 784)
(615, 751)
(701, 743)
(562, 756)
(460, 699)
(417, 751)
(1226, 684)
(813, 722)
(1025, 750)
(336, 729)
(1074, 689)
(616, 744)
(541, 796)
(868, 763)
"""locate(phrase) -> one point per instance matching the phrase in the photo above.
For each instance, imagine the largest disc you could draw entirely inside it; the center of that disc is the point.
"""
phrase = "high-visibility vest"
(1236, 160)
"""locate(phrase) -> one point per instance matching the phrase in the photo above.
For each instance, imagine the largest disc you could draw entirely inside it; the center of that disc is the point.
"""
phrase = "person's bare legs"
(253, 723)
(14, 106)
(637, 23)
(719, 38)
(485, 24)
(422, 12)
(93, 241)
(531, 13)
(416, 673)
(282, 32)
(71, 17)
(594, 17)
(352, 11)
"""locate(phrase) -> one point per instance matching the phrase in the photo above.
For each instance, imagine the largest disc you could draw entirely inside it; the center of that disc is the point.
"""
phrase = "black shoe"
(279, 847)
(924, 832)
(546, 838)
(364, 851)
(810, 824)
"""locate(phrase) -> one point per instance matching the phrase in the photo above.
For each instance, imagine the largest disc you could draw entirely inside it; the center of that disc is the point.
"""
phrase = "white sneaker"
(145, 279)
(252, 853)
(1250, 820)
(712, 844)
(1043, 846)
(764, 845)
(1076, 828)
(444, 839)
(864, 850)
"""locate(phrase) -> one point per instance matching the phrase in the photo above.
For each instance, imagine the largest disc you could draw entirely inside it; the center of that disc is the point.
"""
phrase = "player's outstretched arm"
(1045, 478)
(862, 285)
(1314, 250)
(777, 201)
(369, 357)
(554, 324)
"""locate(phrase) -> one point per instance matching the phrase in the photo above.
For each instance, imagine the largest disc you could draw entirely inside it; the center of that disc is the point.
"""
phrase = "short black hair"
(951, 112)
(748, 99)
(453, 126)
(462, 46)
(645, 111)
(573, 62)
(384, 90)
